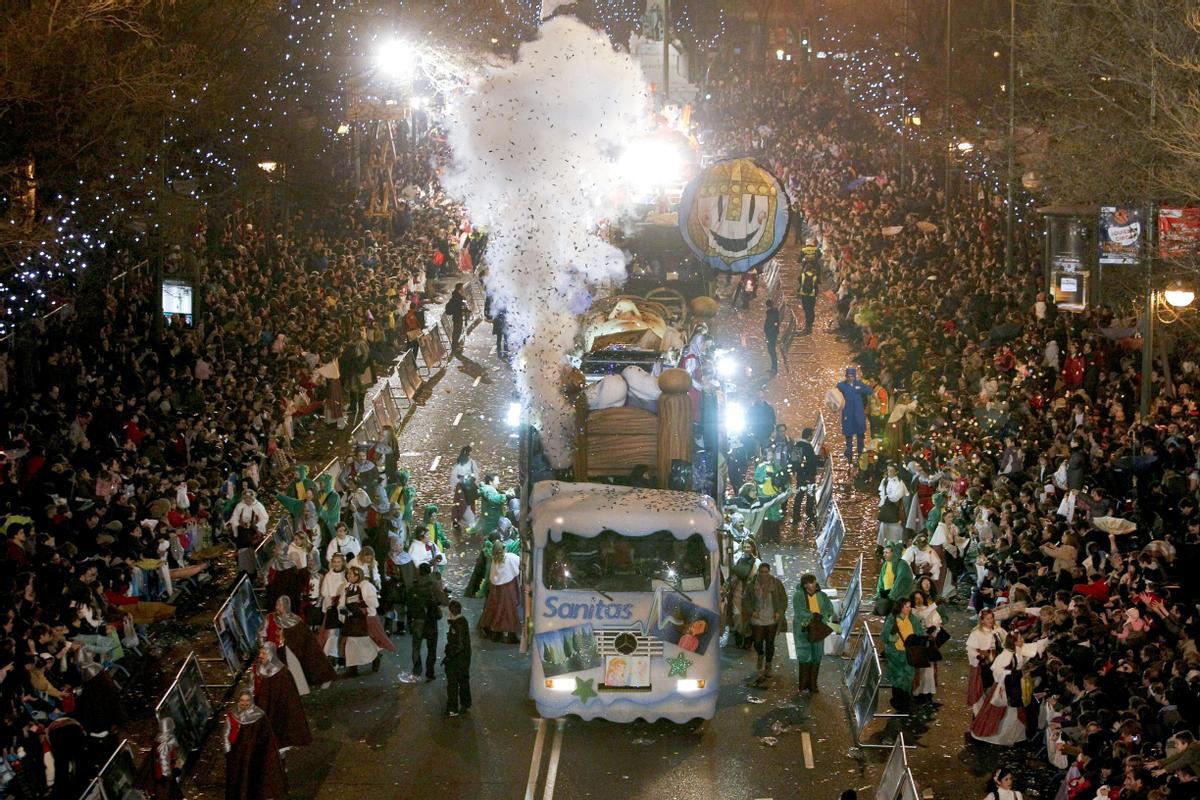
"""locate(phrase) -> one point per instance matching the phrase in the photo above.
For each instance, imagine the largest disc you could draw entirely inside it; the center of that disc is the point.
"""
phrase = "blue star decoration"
(584, 690)
(679, 666)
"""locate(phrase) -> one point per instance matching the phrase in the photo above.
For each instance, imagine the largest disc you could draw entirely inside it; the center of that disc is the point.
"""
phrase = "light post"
(946, 120)
(666, 92)
(904, 97)
(1171, 302)
(1012, 117)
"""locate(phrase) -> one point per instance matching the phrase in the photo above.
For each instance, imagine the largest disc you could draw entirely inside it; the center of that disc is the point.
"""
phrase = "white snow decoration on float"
(608, 392)
(642, 385)
(595, 507)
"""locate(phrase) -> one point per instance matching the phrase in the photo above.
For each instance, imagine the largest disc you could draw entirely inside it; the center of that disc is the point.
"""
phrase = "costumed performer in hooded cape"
(275, 692)
(305, 660)
(253, 768)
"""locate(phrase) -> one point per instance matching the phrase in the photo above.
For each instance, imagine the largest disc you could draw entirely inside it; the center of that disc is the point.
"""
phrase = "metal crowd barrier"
(117, 777)
(829, 544)
(851, 605)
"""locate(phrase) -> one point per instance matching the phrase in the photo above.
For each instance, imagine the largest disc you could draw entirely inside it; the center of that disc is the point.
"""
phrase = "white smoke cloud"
(536, 145)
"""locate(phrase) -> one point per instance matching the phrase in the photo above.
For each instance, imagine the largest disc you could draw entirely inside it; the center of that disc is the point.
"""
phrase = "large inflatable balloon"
(734, 215)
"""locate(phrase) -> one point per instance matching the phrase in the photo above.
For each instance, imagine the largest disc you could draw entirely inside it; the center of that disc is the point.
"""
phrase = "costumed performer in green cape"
(808, 601)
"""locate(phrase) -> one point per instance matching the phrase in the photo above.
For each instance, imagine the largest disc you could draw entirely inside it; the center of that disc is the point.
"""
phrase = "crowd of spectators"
(1069, 521)
(126, 441)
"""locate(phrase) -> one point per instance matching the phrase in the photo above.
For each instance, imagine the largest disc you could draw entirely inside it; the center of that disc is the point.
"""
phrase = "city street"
(378, 737)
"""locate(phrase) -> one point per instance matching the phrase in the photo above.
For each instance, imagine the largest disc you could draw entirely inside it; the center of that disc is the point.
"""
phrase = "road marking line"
(457, 420)
(433, 467)
(779, 565)
(477, 379)
(806, 742)
(791, 643)
(535, 765)
(552, 767)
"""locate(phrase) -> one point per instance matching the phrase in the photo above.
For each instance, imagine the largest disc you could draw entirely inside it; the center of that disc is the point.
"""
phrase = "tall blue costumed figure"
(854, 412)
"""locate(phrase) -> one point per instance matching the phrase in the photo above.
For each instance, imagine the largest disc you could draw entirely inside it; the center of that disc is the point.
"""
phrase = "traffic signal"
(804, 38)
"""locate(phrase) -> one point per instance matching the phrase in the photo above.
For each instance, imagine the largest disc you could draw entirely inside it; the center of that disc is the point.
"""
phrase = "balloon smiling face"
(736, 218)
(733, 224)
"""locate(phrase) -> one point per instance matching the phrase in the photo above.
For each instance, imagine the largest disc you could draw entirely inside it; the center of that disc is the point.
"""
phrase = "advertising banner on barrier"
(410, 378)
(851, 603)
(818, 437)
(829, 544)
(237, 623)
(858, 664)
(864, 701)
(116, 778)
(824, 493)
(894, 772)
(186, 703)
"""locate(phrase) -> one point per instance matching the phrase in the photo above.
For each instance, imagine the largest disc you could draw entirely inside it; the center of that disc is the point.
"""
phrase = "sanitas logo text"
(598, 610)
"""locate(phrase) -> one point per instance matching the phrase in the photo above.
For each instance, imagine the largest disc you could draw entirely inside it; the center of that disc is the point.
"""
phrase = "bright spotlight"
(417, 103)
(965, 147)
(779, 55)
(726, 366)
(735, 419)
(268, 166)
(652, 164)
(512, 418)
(343, 129)
(396, 58)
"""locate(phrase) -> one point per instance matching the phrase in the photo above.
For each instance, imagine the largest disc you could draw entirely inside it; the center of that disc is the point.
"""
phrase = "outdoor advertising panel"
(1120, 234)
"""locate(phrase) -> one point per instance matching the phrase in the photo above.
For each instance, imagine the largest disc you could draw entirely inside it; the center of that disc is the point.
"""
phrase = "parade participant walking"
(301, 652)
(249, 524)
(765, 602)
(331, 595)
(358, 601)
(813, 621)
(253, 768)
(425, 602)
(925, 679)
(803, 463)
(892, 494)
(342, 544)
(854, 412)
(275, 693)
(807, 289)
(1009, 710)
(457, 662)
(897, 628)
(895, 580)
(494, 504)
(771, 332)
(501, 611)
(984, 643)
(464, 467)
(169, 759)
(457, 310)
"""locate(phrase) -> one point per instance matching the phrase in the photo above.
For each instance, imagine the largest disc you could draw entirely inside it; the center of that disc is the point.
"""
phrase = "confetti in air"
(536, 145)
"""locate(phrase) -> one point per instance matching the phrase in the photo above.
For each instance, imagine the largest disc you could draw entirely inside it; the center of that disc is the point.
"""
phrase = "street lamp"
(1165, 307)
(1178, 295)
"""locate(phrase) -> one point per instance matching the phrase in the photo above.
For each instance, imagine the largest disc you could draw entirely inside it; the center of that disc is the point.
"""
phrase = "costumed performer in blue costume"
(854, 412)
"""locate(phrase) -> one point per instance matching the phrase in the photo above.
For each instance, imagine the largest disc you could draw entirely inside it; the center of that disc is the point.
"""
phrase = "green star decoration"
(679, 666)
(584, 690)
